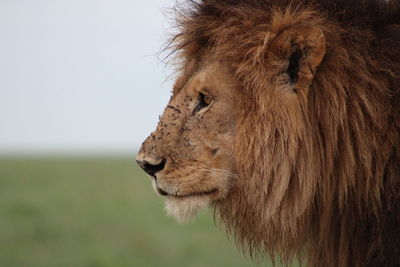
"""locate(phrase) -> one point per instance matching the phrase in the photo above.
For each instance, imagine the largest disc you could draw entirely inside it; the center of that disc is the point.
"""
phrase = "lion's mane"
(319, 182)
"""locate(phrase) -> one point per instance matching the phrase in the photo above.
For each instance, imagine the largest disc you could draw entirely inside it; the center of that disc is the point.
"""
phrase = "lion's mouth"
(195, 194)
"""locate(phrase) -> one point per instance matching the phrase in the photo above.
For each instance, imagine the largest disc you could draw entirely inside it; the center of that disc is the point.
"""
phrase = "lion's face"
(189, 157)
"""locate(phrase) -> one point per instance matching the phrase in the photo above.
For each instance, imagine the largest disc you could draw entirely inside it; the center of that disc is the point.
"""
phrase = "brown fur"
(319, 172)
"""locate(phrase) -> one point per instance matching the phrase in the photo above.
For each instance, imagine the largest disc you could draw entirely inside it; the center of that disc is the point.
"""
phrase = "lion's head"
(282, 121)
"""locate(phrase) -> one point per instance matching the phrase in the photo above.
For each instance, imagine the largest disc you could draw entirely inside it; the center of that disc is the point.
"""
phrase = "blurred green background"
(98, 212)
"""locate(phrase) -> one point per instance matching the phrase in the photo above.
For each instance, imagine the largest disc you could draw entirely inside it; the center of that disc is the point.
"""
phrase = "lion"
(285, 121)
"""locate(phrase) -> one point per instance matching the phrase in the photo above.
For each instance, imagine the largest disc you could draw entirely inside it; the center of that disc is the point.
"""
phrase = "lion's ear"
(302, 51)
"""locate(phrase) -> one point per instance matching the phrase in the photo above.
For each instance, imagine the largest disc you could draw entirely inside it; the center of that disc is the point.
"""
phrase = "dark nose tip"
(151, 169)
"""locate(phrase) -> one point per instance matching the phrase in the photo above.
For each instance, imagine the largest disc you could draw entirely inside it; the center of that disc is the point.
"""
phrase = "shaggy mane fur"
(321, 182)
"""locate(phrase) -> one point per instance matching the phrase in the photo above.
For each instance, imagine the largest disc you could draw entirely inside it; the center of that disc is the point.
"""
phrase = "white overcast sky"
(80, 75)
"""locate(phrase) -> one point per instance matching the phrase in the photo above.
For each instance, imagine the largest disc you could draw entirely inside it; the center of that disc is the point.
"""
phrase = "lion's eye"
(204, 101)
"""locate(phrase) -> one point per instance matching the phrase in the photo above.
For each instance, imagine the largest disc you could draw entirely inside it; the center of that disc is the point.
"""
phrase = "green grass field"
(98, 212)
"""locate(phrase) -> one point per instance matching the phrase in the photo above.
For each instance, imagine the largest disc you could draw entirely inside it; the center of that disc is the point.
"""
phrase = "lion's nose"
(151, 166)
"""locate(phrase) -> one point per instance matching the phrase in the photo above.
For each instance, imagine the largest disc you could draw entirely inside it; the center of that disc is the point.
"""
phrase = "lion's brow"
(174, 108)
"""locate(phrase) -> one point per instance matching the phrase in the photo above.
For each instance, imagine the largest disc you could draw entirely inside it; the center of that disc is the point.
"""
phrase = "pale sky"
(81, 76)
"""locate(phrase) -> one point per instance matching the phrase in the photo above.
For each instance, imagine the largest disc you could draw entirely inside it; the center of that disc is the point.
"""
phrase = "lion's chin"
(183, 210)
